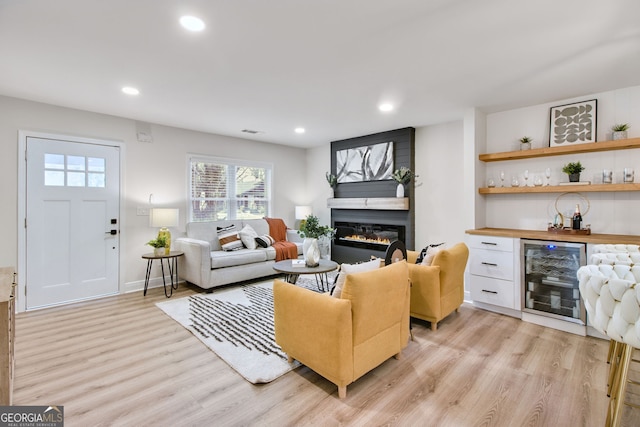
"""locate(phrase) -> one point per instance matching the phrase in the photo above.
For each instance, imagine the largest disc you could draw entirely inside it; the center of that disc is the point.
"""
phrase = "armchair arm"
(315, 329)
(195, 265)
(425, 290)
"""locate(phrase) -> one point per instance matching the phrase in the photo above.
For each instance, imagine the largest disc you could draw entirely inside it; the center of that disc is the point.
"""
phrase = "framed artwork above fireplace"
(366, 163)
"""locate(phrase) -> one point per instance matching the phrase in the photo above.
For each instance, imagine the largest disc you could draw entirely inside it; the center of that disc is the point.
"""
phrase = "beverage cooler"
(549, 279)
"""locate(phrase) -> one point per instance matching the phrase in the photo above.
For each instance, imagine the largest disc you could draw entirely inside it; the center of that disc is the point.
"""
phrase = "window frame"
(232, 164)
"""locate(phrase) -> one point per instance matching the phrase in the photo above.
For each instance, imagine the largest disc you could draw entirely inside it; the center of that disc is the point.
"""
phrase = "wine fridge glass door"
(549, 279)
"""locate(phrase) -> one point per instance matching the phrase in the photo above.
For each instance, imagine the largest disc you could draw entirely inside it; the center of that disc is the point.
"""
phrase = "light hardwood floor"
(121, 361)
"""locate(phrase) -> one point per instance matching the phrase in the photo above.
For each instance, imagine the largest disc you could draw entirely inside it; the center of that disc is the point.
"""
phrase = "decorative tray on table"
(569, 230)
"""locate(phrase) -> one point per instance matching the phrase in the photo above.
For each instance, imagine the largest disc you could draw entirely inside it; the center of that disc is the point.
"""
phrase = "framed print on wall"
(366, 163)
(573, 123)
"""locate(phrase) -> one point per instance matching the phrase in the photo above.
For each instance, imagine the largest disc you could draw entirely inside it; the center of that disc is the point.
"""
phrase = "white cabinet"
(493, 273)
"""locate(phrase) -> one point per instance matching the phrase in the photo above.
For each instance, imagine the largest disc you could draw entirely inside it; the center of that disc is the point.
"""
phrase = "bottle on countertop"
(577, 218)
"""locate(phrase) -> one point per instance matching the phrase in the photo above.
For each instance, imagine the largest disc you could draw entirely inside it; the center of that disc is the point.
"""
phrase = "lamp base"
(164, 232)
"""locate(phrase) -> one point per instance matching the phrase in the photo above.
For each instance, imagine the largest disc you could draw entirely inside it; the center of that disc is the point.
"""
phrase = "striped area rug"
(237, 324)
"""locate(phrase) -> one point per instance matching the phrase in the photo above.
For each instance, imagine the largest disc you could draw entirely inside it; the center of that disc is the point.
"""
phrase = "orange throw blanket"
(284, 249)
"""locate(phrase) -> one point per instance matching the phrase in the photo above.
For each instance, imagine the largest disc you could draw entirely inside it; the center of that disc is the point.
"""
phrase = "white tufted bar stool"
(612, 299)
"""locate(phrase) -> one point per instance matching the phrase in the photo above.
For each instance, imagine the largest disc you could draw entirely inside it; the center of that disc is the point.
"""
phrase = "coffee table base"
(322, 280)
(292, 273)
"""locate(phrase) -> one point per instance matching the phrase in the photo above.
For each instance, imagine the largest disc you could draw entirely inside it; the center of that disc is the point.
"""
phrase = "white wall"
(159, 168)
(318, 190)
(610, 213)
(439, 193)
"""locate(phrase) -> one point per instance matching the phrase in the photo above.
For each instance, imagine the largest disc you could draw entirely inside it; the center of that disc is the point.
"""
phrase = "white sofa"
(206, 265)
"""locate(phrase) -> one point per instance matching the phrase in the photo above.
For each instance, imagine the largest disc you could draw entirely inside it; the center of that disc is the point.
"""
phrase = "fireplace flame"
(360, 238)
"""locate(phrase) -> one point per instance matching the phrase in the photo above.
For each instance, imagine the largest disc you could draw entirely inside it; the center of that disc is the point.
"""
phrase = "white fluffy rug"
(237, 324)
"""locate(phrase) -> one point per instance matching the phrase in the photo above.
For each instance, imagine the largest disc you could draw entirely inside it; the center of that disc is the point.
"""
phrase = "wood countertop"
(546, 235)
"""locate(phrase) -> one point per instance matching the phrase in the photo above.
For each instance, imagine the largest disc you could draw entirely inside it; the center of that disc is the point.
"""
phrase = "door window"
(62, 170)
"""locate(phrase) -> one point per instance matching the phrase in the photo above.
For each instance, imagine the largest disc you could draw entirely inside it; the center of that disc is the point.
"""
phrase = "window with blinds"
(228, 189)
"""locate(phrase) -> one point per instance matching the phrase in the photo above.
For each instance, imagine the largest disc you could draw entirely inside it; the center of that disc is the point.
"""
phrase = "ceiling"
(325, 65)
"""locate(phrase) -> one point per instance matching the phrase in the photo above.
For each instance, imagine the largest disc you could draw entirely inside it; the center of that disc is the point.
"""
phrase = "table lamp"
(302, 212)
(164, 218)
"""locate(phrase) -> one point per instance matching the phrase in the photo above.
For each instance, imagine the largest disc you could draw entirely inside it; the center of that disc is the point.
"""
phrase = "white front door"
(72, 221)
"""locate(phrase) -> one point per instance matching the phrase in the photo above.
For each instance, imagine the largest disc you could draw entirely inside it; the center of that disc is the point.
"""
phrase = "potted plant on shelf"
(620, 131)
(573, 169)
(402, 176)
(159, 246)
(525, 143)
(332, 180)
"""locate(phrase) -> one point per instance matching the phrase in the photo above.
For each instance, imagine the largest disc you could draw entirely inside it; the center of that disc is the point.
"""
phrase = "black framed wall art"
(573, 123)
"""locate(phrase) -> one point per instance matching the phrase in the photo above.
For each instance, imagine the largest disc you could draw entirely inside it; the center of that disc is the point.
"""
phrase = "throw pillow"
(229, 239)
(431, 254)
(248, 236)
(265, 240)
(423, 253)
(349, 269)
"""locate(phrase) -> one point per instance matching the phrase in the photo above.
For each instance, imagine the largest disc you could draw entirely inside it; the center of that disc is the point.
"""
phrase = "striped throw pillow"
(229, 238)
(265, 240)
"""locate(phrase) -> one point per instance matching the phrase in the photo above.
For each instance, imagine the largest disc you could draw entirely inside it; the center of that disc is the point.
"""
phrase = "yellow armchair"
(344, 338)
(437, 290)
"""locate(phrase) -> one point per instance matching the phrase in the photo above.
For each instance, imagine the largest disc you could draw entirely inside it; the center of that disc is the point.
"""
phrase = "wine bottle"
(577, 218)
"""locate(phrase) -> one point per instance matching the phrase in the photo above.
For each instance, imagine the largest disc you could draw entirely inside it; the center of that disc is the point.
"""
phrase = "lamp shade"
(302, 212)
(164, 217)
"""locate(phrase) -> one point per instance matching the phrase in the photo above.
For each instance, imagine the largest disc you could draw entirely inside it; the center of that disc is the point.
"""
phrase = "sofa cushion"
(248, 236)
(221, 259)
(260, 225)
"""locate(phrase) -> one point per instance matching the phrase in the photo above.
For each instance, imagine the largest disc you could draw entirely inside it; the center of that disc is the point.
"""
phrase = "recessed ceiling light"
(130, 90)
(300, 130)
(385, 107)
(192, 23)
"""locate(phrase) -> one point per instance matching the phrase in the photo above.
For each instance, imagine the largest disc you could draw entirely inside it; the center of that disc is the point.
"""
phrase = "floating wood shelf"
(562, 189)
(621, 144)
(376, 203)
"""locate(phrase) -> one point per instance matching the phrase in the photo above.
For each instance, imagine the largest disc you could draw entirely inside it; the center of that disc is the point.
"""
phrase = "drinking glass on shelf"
(514, 181)
(526, 178)
(491, 183)
(628, 175)
(537, 181)
(547, 173)
(501, 178)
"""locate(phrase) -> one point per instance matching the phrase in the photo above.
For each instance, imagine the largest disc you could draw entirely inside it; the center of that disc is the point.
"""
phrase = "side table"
(172, 266)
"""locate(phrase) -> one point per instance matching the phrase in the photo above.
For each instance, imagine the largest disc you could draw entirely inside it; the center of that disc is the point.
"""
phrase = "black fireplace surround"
(372, 227)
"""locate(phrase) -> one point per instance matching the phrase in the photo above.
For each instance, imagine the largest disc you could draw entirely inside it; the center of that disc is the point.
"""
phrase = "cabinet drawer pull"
(489, 243)
(490, 264)
(489, 292)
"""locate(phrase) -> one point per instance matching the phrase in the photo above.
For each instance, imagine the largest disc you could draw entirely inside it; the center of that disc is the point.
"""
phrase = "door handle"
(489, 292)
(112, 232)
(489, 264)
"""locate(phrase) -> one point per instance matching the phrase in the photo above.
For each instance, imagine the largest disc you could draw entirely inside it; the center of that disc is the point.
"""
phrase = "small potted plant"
(525, 143)
(159, 245)
(620, 131)
(402, 176)
(573, 169)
